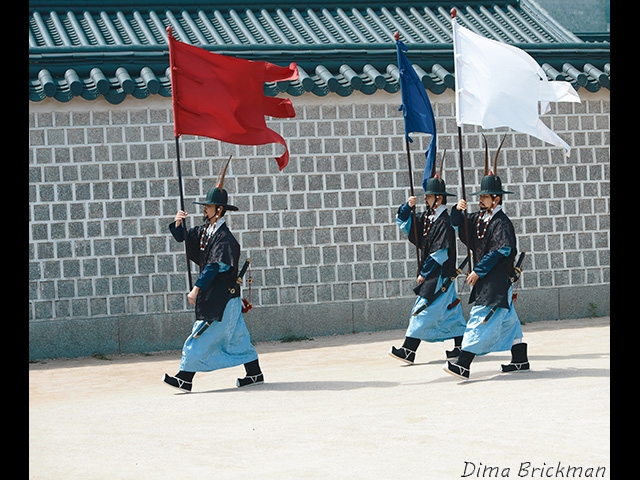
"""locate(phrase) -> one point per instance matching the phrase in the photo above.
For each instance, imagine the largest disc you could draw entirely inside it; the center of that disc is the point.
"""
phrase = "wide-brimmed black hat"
(217, 196)
(491, 185)
(436, 186)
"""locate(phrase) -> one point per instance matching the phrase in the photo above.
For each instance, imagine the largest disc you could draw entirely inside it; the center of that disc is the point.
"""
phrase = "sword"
(445, 286)
(515, 275)
(232, 290)
(491, 312)
(201, 330)
(243, 270)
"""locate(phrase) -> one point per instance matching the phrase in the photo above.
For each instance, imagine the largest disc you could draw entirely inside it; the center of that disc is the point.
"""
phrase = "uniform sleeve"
(434, 260)
(404, 218)
(490, 259)
(458, 224)
(456, 217)
(207, 275)
(177, 232)
(404, 211)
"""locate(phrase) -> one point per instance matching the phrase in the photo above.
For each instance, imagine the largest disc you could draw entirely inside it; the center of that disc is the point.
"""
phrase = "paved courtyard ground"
(331, 407)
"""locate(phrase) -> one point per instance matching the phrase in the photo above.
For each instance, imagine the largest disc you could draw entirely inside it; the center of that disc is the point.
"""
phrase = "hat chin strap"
(213, 219)
(432, 208)
(216, 216)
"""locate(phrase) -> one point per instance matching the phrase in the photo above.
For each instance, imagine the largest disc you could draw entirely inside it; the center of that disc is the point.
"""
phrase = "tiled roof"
(120, 48)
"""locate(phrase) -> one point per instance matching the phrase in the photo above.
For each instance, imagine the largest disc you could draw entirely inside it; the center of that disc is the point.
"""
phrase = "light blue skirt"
(437, 323)
(497, 335)
(224, 344)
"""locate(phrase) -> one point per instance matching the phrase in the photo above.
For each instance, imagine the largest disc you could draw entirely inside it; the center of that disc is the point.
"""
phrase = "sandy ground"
(331, 407)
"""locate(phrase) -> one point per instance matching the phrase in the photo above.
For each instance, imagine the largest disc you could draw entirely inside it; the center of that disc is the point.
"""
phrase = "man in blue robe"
(219, 337)
(493, 324)
(436, 315)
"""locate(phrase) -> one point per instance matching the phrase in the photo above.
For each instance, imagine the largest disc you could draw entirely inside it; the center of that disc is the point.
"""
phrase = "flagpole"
(413, 209)
(453, 12)
(174, 101)
(184, 226)
(464, 196)
(396, 36)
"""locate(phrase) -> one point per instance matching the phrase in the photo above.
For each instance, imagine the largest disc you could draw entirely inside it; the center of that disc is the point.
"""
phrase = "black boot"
(406, 353)
(457, 342)
(460, 368)
(186, 376)
(182, 380)
(254, 375)
(519, 359)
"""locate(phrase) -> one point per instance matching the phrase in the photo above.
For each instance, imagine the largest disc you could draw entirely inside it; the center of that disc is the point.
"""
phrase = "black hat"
(435, 185)
(218, 195)
(491, 183)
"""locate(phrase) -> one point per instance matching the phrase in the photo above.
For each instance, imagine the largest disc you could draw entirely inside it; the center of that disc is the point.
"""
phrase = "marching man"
(437, 313)
(493, 324)
(220, 338)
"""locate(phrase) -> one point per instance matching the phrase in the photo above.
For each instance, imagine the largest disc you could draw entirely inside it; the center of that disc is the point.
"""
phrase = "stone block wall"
(326, 255)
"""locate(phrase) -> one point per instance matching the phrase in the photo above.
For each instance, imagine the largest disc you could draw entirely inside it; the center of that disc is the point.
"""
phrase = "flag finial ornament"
(453, 12)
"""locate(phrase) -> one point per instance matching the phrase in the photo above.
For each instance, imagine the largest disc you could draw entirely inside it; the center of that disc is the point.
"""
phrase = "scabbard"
(201, 330)
(489, 315)
(517, 269)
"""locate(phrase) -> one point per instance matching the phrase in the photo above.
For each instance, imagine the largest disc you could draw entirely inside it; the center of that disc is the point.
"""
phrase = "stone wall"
(326, 256)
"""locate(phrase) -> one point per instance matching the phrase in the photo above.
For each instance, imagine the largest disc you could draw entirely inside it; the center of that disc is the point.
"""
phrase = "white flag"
(499, 85)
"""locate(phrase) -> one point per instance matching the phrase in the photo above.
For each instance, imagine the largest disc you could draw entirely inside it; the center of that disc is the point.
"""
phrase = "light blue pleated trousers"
(224, 344)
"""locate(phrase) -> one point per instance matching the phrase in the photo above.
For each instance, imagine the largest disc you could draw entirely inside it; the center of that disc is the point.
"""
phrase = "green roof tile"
(119, 48)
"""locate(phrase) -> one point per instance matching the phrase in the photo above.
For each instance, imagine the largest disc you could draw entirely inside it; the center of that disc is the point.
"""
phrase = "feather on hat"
(218, 195)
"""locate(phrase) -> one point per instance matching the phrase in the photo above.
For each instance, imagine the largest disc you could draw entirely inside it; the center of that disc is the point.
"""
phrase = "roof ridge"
(78, 49)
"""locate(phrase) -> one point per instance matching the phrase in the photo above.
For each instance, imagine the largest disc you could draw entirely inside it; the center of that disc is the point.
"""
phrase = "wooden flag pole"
(182, 207)
(453, 12)
(464, 196)
(396, 36)
(413, 209)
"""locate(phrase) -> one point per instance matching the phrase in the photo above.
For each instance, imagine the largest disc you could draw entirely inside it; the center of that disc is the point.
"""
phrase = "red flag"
(223, 97)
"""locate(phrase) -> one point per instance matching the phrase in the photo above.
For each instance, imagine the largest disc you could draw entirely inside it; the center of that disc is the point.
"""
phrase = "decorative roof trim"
(120, 48)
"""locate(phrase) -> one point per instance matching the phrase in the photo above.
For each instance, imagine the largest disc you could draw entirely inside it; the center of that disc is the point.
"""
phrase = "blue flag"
(416, 108)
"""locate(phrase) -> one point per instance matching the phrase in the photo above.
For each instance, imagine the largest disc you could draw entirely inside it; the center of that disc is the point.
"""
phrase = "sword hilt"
(243, 270)
(462, 265)
(518, 267)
